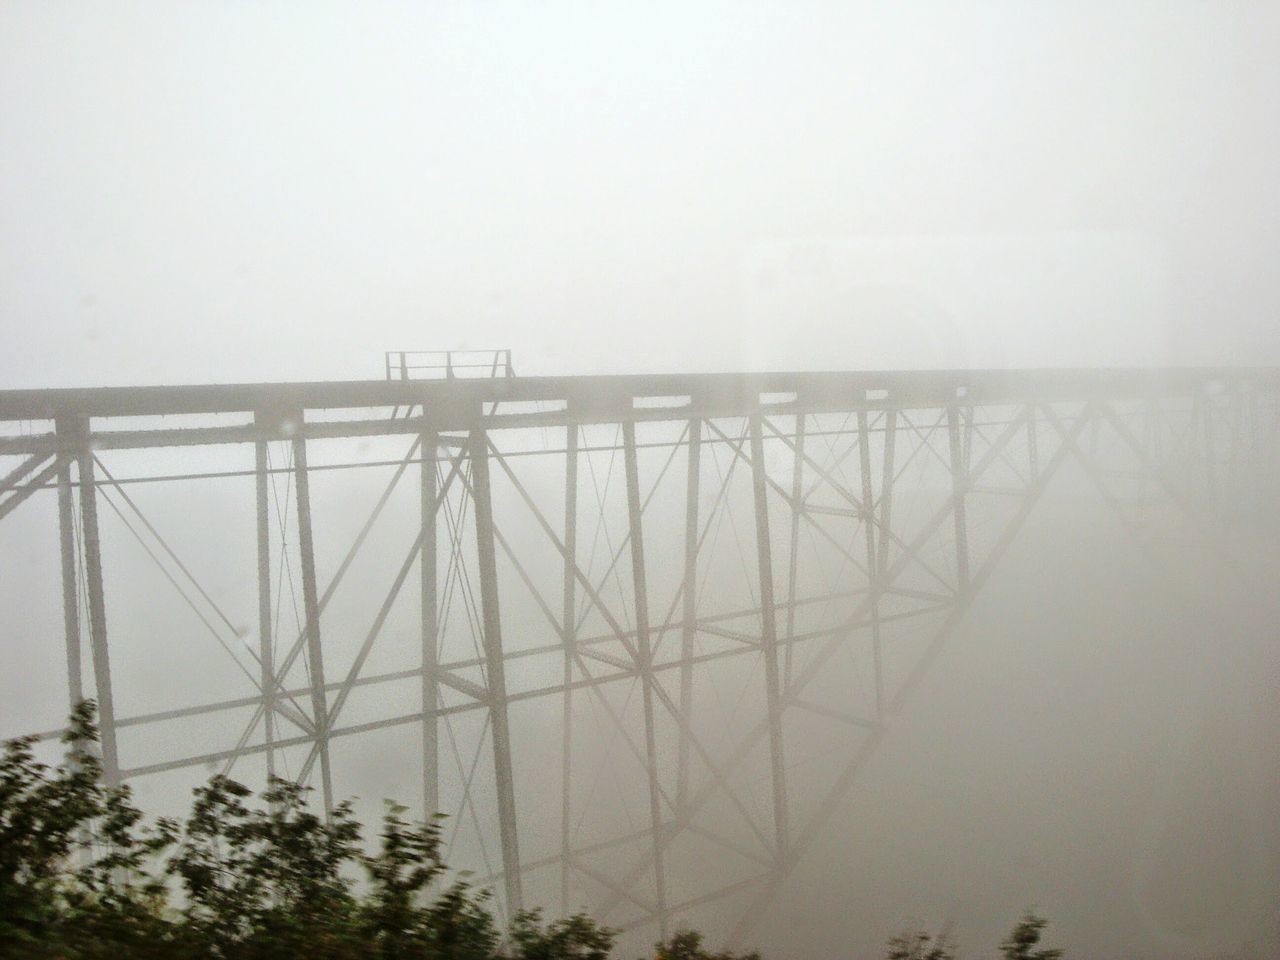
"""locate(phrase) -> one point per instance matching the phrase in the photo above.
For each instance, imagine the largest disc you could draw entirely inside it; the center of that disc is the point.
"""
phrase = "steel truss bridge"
(637, 635)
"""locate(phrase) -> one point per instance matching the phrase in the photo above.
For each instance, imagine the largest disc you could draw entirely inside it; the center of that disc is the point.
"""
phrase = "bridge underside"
(608, 624)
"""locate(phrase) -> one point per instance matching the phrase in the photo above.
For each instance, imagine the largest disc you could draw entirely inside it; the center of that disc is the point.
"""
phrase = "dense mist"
(247, 193)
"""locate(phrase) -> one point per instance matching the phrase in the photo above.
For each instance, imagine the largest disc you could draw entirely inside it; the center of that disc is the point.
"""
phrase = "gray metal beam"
(870, 529)
(429, 612)
(793, 551)
(769, 638)
(959, 484)
(70, 591)
(14, 476)
(18, 493)
(644, 663)
(569, 631)
(688, 629)
(606, 396)
(266, 632)
(311, 606)
(887, 478)
(495, 667)
(98, 617)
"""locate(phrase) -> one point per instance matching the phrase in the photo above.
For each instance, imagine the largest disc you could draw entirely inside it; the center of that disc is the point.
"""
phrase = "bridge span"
(606, 623)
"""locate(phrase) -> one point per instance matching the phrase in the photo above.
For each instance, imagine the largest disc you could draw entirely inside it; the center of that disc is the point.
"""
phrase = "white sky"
(270, 191)
(236, 190)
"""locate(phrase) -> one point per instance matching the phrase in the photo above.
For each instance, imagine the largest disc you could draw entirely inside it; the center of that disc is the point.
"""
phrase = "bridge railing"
(447, 364)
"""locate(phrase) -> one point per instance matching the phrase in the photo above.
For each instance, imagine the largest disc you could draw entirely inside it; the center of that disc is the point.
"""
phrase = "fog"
(239, 192)
(245, 192)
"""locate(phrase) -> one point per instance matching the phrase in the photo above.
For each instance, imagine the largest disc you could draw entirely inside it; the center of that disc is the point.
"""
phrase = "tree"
(83, 876)
(687, 945)
(1018, 945)
(74, 856)
(267, 882)
(573, 938)
(407, 863)
(458, 925)
(918, 945)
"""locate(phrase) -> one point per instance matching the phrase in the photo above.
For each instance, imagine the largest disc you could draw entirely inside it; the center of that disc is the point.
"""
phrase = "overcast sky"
(271, 191)
(251, 191)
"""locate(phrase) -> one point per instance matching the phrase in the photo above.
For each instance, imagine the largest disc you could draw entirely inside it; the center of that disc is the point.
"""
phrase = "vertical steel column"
(1209, 439)
(959, 483)
(97, 614)
(797, 493)
(265, 638)
(1257, 464)
(689, 628)
(886, 492)
(769, 637)
(569, 621)
(1160, 419)
(968, 436)
(645, 654)
(315, 657)
(1033, 447)
(873, 578)
(504, 781)
(1235, 466)
(430, 619)
(70, 593)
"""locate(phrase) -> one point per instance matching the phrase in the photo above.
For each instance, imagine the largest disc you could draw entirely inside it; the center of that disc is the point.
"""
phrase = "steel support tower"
(608, 623)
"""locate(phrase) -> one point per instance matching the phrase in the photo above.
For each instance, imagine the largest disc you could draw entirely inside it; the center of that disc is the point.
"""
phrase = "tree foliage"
(1019, 945)
(1021, 942)
(687, 945)
(84, 876)
(919, 945)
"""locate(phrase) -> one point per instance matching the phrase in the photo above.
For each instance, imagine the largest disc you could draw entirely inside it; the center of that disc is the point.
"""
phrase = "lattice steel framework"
(627, 612)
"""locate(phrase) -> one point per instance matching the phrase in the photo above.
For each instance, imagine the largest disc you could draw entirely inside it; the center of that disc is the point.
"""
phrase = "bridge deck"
(460, 404)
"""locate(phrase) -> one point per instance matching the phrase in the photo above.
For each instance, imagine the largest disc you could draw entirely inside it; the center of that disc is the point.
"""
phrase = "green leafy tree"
(1021, 942)
(919, 945)
(40, 815)
(281, 882)
(459, 926)
(407, 863)
(687, 945)
(74, 856)
(573, 938)
(83, 876)
(268, 882)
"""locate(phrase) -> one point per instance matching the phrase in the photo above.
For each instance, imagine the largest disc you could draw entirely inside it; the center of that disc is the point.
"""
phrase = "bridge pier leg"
(769, 639)
(569, 622)
(958, 484)
(492, 620)
(70, 593)
(887, 478)
(644, 655)
(315, 656)
(267, 678)
(1208, 437)
(873, 578)
(689, 627)
(797, 494)
(429, 615)
(1235, 447)
(97, 614)
(1033, 447)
